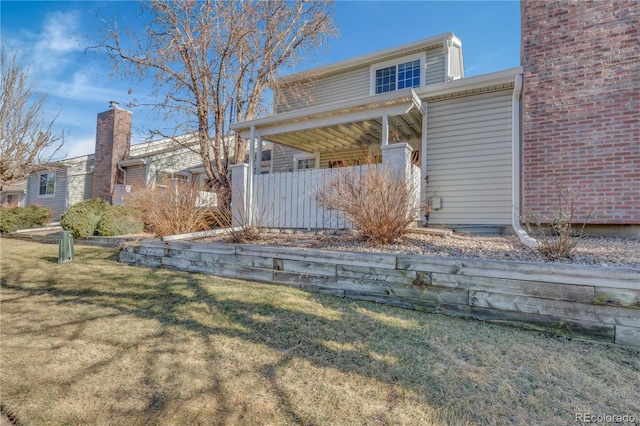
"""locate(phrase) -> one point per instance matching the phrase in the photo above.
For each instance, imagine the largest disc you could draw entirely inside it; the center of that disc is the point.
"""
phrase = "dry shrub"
(247, 229)
(171, 209)
(557, 234)
(380, 205)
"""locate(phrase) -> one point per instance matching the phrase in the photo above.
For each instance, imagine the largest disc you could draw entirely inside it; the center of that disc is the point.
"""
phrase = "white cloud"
(55, 45)
(57, 34)
(78, 147)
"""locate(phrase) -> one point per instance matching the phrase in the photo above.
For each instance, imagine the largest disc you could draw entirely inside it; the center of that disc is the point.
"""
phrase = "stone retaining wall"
(585, 302)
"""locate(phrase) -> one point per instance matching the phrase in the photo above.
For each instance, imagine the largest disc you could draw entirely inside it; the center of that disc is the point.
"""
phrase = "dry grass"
(97, 342)
(171, 209)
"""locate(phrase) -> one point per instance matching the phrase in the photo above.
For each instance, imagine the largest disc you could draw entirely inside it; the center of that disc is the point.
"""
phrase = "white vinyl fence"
(288, 200)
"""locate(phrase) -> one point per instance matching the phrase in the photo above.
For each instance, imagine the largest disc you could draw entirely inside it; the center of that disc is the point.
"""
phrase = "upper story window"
(47, 184)
(399, 74)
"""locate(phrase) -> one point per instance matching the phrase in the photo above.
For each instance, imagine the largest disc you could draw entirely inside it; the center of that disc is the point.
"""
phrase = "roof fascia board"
(464, 84)
(332, 120)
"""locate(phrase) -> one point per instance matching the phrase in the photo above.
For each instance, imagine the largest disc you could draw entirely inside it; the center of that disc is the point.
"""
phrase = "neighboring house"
(14, 195)
(114, 167)
(581, 108)
(462, 131)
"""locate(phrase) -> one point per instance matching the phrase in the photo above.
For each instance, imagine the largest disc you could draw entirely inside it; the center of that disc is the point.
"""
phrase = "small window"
(306, 163)
(47, 184)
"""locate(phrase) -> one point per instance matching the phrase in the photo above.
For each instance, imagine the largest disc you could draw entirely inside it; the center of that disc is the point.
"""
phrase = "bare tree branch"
(27, 138)
(211, 62)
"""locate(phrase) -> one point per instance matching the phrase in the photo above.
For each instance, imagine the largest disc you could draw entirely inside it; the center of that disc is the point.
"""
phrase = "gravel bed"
(592, 251)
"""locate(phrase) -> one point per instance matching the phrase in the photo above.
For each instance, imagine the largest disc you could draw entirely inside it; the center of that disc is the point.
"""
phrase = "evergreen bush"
(15, 218)
(120, 220)
(82, 219)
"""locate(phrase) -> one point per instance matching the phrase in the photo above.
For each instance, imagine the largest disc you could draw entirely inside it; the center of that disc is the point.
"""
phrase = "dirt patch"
(592, 251)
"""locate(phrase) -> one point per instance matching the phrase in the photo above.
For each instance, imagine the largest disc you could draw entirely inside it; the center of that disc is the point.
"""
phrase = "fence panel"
(288, 200)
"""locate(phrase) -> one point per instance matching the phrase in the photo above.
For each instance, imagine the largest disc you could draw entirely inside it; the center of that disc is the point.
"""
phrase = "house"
(116, 166)
(491, 146)
(13, 195)
(462, 133)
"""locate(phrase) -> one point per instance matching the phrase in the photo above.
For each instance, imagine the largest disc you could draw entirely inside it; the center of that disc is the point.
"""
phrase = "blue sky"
(48, 37)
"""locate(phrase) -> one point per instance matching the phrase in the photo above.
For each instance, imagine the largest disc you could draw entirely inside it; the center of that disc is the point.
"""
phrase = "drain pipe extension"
(515, 166)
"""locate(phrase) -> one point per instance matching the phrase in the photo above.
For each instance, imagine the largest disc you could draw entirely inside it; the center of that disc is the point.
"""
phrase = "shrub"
(15, 218)
(557, 235)
(380, 205)
(120, 220)
(171, 209)
(82, 219)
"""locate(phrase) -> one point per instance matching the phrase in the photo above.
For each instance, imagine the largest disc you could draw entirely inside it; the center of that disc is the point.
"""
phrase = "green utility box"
(65, 247)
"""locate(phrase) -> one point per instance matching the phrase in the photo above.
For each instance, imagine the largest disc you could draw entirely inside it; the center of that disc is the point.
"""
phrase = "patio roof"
(347, 124)
(358, 122)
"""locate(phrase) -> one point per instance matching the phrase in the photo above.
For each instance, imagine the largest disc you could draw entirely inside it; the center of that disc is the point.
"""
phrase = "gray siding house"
(463, 132)
(116, 168)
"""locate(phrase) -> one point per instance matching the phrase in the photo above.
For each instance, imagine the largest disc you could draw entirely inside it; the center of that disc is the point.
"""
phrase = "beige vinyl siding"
(352, 84)
(351, 157)
(283, 157)
(80, 188)
(80, 176)
(56, 204)
(469, 159)
(136, 176)
(348, 85)
(435, 67)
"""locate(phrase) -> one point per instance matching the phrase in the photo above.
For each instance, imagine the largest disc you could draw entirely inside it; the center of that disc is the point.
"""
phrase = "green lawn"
(98, 342)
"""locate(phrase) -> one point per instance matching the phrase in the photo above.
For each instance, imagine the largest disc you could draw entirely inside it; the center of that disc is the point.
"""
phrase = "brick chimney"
(113, 139)
(581, 106)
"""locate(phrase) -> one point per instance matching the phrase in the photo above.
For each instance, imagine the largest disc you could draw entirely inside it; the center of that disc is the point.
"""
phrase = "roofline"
(369, 58)
(470, 83)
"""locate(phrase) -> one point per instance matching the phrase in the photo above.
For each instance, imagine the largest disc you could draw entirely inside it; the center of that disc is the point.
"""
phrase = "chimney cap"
(114, 104)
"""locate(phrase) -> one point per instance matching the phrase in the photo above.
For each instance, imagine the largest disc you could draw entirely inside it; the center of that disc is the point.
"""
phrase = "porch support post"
(385, 130)
(249, 198)
(239, 175)
(397, 159)
(259, 156)
(423, 157)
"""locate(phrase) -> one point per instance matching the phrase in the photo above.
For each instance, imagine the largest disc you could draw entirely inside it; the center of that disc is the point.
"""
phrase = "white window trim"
(54, 185)
(306, 156)
(380, 65)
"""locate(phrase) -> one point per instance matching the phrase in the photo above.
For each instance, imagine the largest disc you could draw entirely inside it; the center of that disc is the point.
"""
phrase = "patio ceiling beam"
(297, 143)
(332, 120)
(320, 137)
(358, 134)
(401, 124)
(342, 139)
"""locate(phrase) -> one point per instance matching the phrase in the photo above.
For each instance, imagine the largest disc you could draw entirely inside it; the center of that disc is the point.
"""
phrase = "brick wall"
(581, 106)
(113, 138)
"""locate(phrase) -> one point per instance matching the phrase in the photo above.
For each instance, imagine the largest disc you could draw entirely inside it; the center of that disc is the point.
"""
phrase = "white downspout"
(515, 166)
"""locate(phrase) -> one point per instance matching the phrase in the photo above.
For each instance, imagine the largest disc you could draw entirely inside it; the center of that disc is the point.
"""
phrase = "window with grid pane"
(409, 74)
(399, 76)
(386, 79)
(306, 163)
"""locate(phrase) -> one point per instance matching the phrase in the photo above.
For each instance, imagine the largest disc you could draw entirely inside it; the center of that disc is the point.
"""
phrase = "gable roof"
(372, 58)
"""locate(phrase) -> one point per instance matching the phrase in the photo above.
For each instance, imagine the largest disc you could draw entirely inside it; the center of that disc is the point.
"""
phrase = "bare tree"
(26, 135)
(211, 62)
